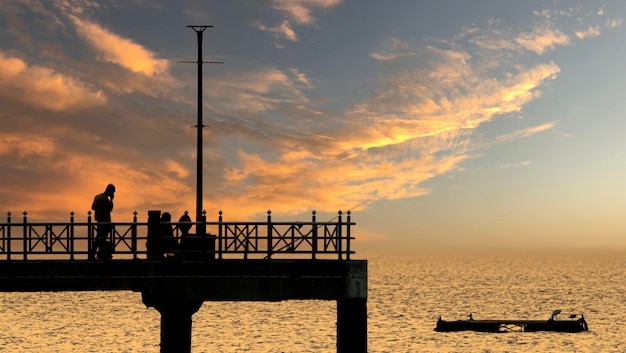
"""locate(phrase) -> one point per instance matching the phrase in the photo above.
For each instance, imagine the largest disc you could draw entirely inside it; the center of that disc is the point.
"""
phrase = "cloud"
(259, 91)
(590, 32)
(525, 132)
(418, 125)
(40, 164)
(121, 51)
(516, 165)
(283, 30)
(24, 145)
(613, 23)
(298, 12)
(392, 49)
(300, 77)
(301, 11)
(542, 39)
(44, 87)
(178, 169)
(273, 139)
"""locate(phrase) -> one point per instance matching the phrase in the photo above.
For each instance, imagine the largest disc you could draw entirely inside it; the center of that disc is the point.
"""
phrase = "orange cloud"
(590, 32)
(44, 87)
(120, 51)
(542, 39)
(24, 145)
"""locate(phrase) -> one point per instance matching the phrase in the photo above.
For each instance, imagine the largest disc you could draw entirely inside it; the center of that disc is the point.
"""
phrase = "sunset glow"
(439, 124)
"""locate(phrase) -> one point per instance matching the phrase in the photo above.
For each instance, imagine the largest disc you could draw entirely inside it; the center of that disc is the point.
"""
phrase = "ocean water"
(407, 293)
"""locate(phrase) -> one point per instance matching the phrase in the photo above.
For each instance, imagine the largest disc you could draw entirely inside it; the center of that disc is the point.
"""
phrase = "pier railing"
(22, 240)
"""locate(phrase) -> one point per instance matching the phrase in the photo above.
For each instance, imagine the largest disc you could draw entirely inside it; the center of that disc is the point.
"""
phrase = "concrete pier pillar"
(176, 324)
(170, 297)
(352, 325)
(352, 310)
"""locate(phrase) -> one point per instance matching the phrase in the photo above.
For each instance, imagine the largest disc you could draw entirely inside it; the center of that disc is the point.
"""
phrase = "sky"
(438, 124)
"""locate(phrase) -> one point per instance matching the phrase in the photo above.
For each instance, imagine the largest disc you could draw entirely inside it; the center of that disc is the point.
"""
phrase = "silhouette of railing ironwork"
(22, 240)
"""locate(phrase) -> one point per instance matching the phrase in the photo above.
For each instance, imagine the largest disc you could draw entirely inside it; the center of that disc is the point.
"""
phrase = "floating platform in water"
(573, 325)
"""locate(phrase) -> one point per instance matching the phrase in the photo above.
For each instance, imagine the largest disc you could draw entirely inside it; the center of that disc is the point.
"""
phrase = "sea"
(407, 293)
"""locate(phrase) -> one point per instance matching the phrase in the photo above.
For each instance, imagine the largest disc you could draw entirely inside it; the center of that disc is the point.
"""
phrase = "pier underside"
(233, 280)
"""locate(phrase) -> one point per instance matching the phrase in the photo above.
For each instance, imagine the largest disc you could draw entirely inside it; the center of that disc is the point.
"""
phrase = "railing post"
(152, 244)
(348, 237)
(112, 233)
(90, 253)
(8, 236)
(48, 235)
(204, 237)
(269, 234)
(339, 247)
(133, 236)
(292, 246)
(70, 236)
(25, 247)
(219, 235)
(201, 231)
(314, 231)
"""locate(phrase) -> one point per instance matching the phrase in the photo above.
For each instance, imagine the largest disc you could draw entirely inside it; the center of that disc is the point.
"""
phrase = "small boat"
(572, 324)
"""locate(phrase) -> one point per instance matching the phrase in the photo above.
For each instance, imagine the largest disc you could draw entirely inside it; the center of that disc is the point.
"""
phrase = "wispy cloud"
(516, 165)
(259, 91)
(525, 132)
(121, 51)
(615, 23)
(542, 39)
(301, 11)
(590, 32)
(392, 49)
(280, 31)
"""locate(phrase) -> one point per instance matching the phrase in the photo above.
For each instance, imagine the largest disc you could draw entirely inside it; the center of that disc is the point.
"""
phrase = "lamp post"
(199, 31)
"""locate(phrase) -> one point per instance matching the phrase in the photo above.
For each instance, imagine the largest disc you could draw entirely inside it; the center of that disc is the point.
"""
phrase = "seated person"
(167, 242)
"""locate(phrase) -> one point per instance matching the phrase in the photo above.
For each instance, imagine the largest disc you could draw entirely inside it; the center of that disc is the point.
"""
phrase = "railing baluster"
(8, 236)
(25, 235)
(204, 236)
(338, 244)
(90, 252)
(348, 237)
(269, 234)
(70, 236)
(133, 236)
(314, 230)
(219, 235)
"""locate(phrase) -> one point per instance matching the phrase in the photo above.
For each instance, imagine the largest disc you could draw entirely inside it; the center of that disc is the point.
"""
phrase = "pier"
(222, 261)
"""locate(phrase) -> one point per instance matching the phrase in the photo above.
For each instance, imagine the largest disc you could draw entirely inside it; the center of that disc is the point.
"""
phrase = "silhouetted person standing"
(102, 206)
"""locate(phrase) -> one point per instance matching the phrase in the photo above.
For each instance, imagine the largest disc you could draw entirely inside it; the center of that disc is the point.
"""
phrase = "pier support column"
(352, 310)
(176, 325)
(171, 297)
(352, 325)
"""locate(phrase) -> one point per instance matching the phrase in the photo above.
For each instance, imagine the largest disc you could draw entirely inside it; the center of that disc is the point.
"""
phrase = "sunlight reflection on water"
(406, 295)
